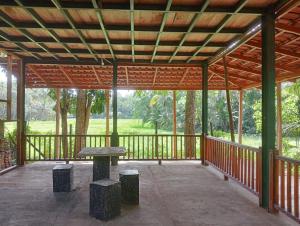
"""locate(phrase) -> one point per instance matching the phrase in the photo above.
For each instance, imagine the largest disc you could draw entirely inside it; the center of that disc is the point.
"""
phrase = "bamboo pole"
(9, 87)
(57, 121)
(240, 127)
(174, 126)
(107, 117)
(279, 118)
(228, 101)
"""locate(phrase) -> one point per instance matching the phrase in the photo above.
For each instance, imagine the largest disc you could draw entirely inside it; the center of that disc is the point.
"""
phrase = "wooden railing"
(286, 186)
(139, 147)
(239, 162)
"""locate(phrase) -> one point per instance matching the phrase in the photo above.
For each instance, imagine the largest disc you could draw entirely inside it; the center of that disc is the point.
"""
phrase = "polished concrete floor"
(175, 193)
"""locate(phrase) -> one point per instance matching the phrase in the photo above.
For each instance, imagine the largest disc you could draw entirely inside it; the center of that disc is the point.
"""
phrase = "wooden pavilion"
(155, 45)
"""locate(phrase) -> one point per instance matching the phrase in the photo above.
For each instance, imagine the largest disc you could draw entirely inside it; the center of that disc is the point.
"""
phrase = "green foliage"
(97, 98)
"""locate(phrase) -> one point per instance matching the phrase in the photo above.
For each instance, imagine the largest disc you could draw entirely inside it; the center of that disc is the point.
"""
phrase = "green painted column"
(268, 99)
(114, 136)
(204, 109)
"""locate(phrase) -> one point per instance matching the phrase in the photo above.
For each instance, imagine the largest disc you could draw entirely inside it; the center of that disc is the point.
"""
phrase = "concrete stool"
(62, 178)
(105, 199)
(129, 186)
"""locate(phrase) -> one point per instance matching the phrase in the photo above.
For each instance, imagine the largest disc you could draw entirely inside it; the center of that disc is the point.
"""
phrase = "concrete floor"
(177, 193)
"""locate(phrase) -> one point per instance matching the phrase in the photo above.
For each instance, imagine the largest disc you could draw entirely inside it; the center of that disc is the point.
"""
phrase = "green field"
(125, 126)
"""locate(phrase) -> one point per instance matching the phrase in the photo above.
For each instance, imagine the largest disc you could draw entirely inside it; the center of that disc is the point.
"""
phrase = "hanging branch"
(228, 101)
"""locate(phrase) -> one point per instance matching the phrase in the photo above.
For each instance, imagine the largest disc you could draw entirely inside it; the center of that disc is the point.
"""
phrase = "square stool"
(129, 186)
(105, 199)
(62, 178)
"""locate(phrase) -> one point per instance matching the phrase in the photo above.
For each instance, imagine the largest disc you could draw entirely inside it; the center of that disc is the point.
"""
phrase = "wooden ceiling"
(158, 44)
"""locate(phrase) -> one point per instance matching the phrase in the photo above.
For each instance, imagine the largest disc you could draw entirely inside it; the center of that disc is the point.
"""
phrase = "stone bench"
(129, 186)
(62, 178)
(105, 199)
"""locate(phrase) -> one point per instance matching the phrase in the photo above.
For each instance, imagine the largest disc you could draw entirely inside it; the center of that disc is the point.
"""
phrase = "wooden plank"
(279, 118)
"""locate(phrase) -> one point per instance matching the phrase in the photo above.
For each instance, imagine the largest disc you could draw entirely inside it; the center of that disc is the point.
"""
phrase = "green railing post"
(204, 109)
(115, 136)
(268, 100)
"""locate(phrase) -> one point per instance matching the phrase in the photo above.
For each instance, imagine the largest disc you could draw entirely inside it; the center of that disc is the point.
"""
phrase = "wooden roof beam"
(155, 74)
(40, 21)
(11, 23)
(139, 7)
(66, 75)
(288, 28)
(191, 27)
(256, 61)
(37, 74)
(100, 19)
(161, 29)
(220, 26)
(132, 28)
(71, 23)
(96, 75)
(277, 49)
(236, 67)
(235, 75)
(127, 79)
(183, 76)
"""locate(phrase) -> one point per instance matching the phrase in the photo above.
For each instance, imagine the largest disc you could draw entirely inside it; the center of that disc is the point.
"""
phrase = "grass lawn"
(125, 126)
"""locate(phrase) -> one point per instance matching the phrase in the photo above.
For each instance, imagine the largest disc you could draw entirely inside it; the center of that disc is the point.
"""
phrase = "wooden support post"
(107, 117)
(21, 127)
(204, 109)
(9, 87)
(228, 101)
(57, 121)
(114, 136)
(279, 119)
(1, 128)
(240, 126)
(174, 126)
(268, 100)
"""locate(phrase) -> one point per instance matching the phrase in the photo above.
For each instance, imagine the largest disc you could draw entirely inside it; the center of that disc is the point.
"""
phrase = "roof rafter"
(155, 74)
(142, 7)
(96, 75)
(224, 21)
(40, 21)
(37, 74)
(132, 28)
(236, 67)
(66, 75)
(71, 22)
(184, 75)
(235, 75)
(288, 28)
(11, 23)
(161, 29)
(277, 49)
(100, 19)
(191, 26)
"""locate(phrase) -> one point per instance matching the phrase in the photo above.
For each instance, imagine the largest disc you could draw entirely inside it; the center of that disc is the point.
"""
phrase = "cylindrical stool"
(129, 186)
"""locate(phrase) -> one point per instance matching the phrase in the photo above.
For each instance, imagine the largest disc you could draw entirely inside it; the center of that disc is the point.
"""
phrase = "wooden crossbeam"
(100, 19)
(40, 21)
(184, 75)
(191, 26)
(236, 67)
(288, 28)
(96, 75)
(246, 78)
(66, 75)
(11, 23)
(67, 16)
(277, 49)
(127, 79)
(221, 25)
(256, 61)
(132, 28)
(158, 8)
(162, 26)
(37, 74)
(155, 74)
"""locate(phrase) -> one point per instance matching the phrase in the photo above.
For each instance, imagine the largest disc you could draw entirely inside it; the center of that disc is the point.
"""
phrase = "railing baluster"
(288, 188)
(296, 190)
(282, 185)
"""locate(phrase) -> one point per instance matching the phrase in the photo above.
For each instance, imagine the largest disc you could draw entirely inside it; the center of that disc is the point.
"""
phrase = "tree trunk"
(80, 120)
(189, 128)
(87, 116)
(64, 131)
(64, 108)
(57, 121)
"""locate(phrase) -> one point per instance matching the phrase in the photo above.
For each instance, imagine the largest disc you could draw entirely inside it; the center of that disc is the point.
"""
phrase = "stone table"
(101, 162)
